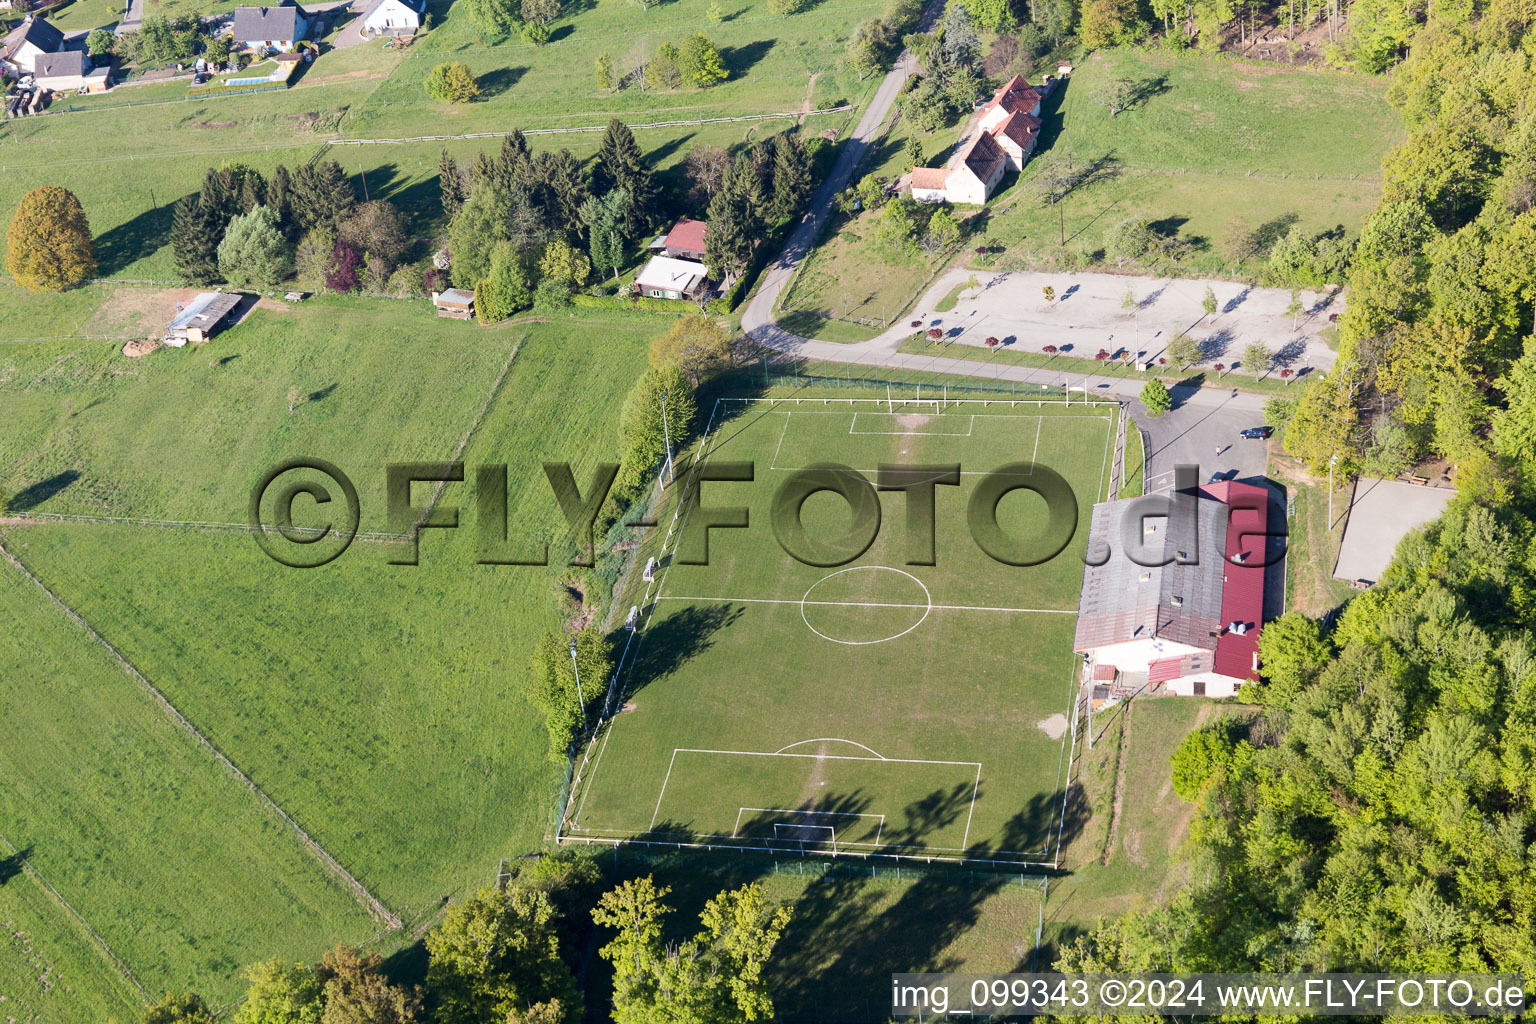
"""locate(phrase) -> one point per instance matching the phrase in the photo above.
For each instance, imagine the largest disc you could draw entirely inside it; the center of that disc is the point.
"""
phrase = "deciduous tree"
(496, 953)
(696, 344)
(452, 82)
(254, 252)
(1155, 396)
(48, 246)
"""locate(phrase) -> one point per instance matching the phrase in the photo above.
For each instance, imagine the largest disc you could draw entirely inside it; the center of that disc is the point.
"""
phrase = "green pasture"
(383, 706)
(167, 855)
(51, 969)
(924, 707)
(1207, 142)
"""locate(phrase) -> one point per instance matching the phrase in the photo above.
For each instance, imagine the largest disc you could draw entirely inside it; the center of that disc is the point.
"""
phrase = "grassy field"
(1132, 823)
(769, 699)
(382, 706)
(162, 142)
(166, 853)
(1210, 142)
(850, 277)
(50, 968)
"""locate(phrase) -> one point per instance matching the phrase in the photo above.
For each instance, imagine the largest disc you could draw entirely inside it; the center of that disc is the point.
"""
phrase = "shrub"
(1156, 398)
(452, 83)
(343, 273)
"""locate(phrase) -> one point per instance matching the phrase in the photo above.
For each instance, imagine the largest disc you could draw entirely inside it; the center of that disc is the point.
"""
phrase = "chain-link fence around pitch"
(903, 383)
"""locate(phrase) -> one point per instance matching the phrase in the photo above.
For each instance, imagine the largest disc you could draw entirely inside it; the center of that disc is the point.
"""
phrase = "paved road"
(757, 319)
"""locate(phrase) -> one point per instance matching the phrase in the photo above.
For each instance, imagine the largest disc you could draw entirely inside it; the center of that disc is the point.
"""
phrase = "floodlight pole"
(666, 433)
(579, 698)
(1330, 492)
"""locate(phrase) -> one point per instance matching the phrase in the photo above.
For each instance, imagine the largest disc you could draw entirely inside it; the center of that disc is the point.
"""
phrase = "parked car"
(1256, 433)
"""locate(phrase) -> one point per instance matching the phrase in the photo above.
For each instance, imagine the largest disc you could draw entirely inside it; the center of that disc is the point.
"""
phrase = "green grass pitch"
(880, 706)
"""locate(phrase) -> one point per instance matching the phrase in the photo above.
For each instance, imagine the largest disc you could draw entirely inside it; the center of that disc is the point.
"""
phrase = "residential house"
(975, 173)
(1006, 133)
(70, 70)
(1189, 627)
(25, 43)
(392, 17)
(272, 28)
(201, 317)
(455, 303)
(685, 241)
(665, 277)
(1013, 96)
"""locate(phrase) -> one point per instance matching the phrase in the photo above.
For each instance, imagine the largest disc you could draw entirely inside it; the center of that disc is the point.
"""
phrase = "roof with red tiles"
(1014, 94)
(1021, 128)
(687, 235)
(929, 177)
(1242, 590)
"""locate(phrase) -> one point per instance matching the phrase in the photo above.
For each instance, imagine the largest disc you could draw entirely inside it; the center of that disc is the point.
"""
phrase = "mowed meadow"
(382, 706)
(130, 154)
(1208, 141)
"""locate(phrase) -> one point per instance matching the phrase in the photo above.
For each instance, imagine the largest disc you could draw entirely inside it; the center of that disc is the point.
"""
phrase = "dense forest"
(1376, 812)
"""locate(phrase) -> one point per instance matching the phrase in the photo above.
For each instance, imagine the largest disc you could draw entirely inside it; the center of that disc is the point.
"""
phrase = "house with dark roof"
(25, 43)
(70, 70)
(1190, 626)
(1007, 129)
(276, 28)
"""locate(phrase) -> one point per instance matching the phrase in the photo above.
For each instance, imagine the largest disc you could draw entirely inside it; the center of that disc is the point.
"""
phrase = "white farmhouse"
(392, 17)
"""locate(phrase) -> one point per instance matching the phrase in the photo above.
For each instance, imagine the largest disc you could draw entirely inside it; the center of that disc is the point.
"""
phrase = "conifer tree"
(195, 241)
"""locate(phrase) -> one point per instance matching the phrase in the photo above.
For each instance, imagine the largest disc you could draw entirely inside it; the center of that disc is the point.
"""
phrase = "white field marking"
(983, 402)
(928, 608)
(659, 584)
(618, 836)
(787, 415)
(1038, 431)
(773, 464)
(827, 757)
(871, 604)
(792, 810)
(763, 753)
(975, 792)
(915, 433)
(831, 832)
(1109, 443)
(822, 739)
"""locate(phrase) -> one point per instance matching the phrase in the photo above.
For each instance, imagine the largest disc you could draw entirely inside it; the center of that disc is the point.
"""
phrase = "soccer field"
(869, 706)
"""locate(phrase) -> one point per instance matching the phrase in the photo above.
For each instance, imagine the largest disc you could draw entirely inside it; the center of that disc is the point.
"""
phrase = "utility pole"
(579, 698)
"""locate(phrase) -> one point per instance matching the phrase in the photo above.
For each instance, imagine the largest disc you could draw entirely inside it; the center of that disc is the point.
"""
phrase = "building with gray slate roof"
(1192, 624)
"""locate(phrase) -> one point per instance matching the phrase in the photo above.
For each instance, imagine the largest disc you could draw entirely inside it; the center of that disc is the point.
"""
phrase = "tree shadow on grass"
(11, 866)
(741, 59)
(494, 83)
(120, 247)
(35, 494)
(673, 640)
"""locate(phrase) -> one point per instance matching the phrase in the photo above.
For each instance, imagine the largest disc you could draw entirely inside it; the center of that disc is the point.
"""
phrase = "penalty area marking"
(821, 757)
(822, 739)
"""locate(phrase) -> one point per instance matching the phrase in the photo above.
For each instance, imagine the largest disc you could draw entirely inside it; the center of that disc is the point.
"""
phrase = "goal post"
(796, 832)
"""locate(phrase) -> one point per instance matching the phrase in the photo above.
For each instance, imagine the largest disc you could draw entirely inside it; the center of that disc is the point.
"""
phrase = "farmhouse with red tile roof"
(1007, 130)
